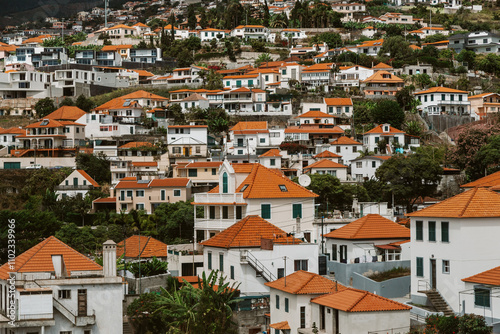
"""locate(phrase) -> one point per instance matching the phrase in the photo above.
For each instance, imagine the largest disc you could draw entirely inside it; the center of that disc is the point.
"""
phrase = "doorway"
(433, 274)
(82, 302)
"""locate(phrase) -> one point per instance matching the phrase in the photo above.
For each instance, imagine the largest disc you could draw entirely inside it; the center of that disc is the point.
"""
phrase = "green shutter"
(420, 231)
(445, 231)
(238, 83)
(265, 211)
(162, 195)
(420, 266)
(224, 183)
(212, 212)
(432, 231)
(482, 297)
(228, 83)
(209, 261)
(286, 305)
(193, 172)
(221, 262)
(297, 210)
(250, 83)
(232, 272)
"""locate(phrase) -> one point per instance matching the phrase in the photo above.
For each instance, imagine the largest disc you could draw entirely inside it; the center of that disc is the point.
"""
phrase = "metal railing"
(423, 284)
(247, 257)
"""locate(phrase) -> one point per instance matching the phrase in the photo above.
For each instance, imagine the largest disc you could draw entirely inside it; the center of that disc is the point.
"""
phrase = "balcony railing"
(214, 224)
(218, 198)
(35, 316)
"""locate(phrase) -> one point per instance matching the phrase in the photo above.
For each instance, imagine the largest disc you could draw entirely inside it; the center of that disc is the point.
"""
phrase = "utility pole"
(284, 260)
(322, 237)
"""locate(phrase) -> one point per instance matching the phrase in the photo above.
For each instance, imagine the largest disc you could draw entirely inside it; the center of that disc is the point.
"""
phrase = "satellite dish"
(304, 180)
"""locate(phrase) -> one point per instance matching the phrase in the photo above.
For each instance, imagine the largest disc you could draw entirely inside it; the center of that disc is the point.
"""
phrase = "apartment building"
(442, 100)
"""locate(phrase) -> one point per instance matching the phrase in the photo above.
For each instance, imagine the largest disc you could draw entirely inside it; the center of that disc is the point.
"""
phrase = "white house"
(364, 168)
(208, 34)
(316, 117)
(351, 76)
(392, 136)
(77, 183)
(58, 290)
(442, 100)
(187, 141)
(293, 34)
(365, 240)
(252, 189)
(251, 139)
(245, 80)
(251, 32)
(329, 167)
(332, 106)
(271, 159)
(253, 251)
(347, 147)
(194, 100)
(451, 241)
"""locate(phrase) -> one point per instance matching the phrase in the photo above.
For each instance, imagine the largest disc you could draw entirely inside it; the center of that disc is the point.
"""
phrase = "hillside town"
(250, 167)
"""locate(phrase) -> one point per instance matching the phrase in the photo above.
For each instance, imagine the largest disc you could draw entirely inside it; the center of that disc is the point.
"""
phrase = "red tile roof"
(170, 182)
(369, 227)
(105, 200)
(142, 94)
(314, 129)
(487, 181)
(379, 77)
(303, 282)
(382, 65)
(137, 144)
(345, 141)
(474, 203)
(202, 164)
(144, 163)
(327, 154)
(274, 152)
(378, 129)
(88, 178)
(142, 246)
(66, 113)
(39, 259)
(315, 114)
(338, 101)
(325, 163)
(283, 325)
(242, 126)
(441, 90)
(354, 300)
(249, 232)
(488, 277)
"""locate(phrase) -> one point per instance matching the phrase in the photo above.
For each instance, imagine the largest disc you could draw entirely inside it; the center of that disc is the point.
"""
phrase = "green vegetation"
(389, 274)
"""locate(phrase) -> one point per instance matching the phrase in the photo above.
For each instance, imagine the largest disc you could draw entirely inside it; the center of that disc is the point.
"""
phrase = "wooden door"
(433, 274)
(82, 302)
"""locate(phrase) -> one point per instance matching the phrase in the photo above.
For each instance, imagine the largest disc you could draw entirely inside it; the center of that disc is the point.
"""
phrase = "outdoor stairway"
(438, 302)
(248, 258)
(127, 329)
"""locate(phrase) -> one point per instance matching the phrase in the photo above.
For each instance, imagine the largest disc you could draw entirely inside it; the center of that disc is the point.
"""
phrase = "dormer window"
(283, 188)
(244, 188)
(386, 128)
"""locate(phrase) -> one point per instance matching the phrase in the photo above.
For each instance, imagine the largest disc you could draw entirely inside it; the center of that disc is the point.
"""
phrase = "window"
(300, 265)
(296, 210)
(240, 152)
(343, 253)
(193, 172)
(245, 186)
(281, 272)
(277, 302)
(302, 317)
(273, 162)
(283, 188)
(177, 192)
(162, 194)
(445, 232)
(139, 206)
(374, 164)
(124, 207)
(262, 140)
(212, 212)
(130, 193)
(286, 305)
(432, 231)
(420, 266)
(482, 297)
(64, 294)
(65, 332)
(239, 213)
(265, 211)
(214, 171)
(209, 255)
(221, 262)
(377, 139)
(419, 230)
(224, 183)
(334, 252)
(232, 272)
(225, 212)
(139, 193)
(443, 97)
(446, 266)
(359, 164)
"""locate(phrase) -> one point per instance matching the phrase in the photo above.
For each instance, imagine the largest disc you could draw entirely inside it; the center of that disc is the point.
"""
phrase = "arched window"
(224, 183)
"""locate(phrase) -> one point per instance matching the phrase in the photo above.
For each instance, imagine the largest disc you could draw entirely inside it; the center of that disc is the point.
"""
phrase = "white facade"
(443, 101)
(364, 168)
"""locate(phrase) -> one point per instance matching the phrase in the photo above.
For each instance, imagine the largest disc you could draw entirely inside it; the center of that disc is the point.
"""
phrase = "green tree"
(81, 239)
(263, 58)
(332, 39)
(411, 177)
(148, 268)
(97, 166)
(488, 156)
(397, 48)
(44, 107)
(191, 14)
(218, 122)
(67, 101)
(84, 103)
(176, 221)
(388, 111)
(175, 112)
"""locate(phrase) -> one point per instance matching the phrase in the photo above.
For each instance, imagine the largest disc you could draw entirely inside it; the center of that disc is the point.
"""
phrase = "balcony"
(213, 224)
(125, 199)
(207, 198)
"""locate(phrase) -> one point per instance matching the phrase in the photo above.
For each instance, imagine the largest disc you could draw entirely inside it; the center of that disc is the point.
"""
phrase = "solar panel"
(143, 181)
(126, 104)
(44, 122)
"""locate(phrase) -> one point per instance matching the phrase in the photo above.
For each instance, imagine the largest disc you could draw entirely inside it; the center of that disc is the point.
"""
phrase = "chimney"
(59, 266)
(109, 258)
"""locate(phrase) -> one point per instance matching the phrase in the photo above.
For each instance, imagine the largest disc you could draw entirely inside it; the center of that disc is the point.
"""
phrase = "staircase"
(248, 258)
(76, 320)
(127, 329)
(438, 302)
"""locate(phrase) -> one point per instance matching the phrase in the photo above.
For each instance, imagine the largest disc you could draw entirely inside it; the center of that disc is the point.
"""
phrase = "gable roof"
(325, 163)
(371, 226)
(379, 77)
(274, 152)
(338, 101)
(354, 300)
(315, 114)
(66, 113)
(283, 325)
(263, 182)
(473, 203)
(487, 181)
(142, 94)
(441, 90)
(327, 154)
(170, 182)
(378, 129)
(39, 259)
(382, 65)
(488, 277)
(194, 97)
(345, 141)
(249, 232)
(303, 282)
(242, 126)
(136, 144)
(142, 246)
(88, 178)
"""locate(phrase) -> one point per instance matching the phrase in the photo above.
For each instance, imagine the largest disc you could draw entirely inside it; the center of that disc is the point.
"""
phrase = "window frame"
(262, 205)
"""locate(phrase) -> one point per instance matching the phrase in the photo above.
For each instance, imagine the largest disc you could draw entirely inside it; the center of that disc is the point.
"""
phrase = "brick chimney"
(109, 258)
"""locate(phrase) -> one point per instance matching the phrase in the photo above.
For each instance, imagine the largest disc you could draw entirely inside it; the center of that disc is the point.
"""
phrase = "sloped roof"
(371, 226)
(325, 163)
(488, 277)
(314, 129)
(303, 282)
(39, 259)
(144, 163)
(481, 95)
(66, 113)
(194, 97)
(88, 178)
(321, 67)
(315, 114)
(379, 77)
(242, 126)
(382, 65)
(118, 103)
(249, 232)
(263, 182)
(283, 325)
(203, 164)
(473, 203)
(136, 144)
(142, 246)
(345, 141)
(327, 154)
(378, 129)
(170, 182)
(116, 47)
(354, 300)
(338, 101)
(441, 90)
(142, 94)
(487, 181)
(274, 152)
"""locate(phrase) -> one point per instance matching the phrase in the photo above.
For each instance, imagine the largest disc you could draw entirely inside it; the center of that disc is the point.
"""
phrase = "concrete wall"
(345, 272)
(147, 284)
(440, 123)
(46, 162)
(392, 288)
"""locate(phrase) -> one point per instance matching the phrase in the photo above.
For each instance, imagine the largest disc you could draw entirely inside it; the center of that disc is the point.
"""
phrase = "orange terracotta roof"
(189, 279)
(249, 26)
(249, 232)
(118, 103)
(283, 325)
(143, 73)
(141, 246)
(365, 44)
(263, 182)
(240, 90)
(344, 141)
(243, 76)
(50, 124)
(274, 152)
(143, 163)
(66, 113)
(304, 282)
(242, 126)
(378, 77)
(13, 131)
(88, 178)
(488, 277)
(338, 101)
(140, 24)
(119, 26)
(39, 259)
(354, 300)
(244, 168)
(371, 226)
(116, 47)
(105, 200)
(378, 129)
(321, 67)
(441, 90)
(315, 114)
(415, 47)
(314, 129)
(186, 126)
(142, 94)
(382, 65)
(325, 163)
(137, 144)
(126, 184)
(327, 154)
(170, 182)
(481, 95)
(439, 42)
(202, 164)
(473, 203)
(487, 181)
